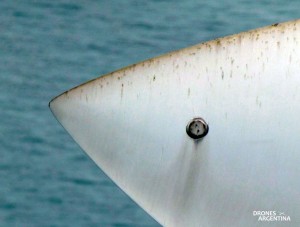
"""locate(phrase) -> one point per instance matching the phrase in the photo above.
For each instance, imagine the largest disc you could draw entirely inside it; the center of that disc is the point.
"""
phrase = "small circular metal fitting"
(197, 128)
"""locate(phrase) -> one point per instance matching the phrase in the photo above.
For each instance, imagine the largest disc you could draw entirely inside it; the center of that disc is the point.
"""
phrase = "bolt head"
(197, 128)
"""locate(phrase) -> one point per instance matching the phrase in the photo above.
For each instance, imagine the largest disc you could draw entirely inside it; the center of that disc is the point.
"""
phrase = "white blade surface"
(246, 86)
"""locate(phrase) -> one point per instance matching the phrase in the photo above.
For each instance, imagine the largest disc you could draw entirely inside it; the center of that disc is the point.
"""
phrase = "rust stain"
(222, 74)
(122, 88)
(239, 41)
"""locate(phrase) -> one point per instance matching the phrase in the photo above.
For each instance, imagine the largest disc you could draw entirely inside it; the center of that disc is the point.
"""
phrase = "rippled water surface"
(47, 47)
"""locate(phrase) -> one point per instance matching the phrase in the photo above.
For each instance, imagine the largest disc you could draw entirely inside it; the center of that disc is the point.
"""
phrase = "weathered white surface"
(246, 86)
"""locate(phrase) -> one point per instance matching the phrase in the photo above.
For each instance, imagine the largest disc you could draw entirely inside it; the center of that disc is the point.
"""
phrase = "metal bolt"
(197, 128)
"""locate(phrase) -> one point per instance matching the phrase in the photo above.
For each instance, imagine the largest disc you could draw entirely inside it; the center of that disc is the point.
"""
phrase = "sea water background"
(47, 47)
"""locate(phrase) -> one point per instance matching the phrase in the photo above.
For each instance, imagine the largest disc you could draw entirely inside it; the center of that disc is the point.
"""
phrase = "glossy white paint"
(132, 124)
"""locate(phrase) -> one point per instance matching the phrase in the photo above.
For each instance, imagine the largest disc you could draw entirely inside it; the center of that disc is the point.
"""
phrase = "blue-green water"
(47, 47)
